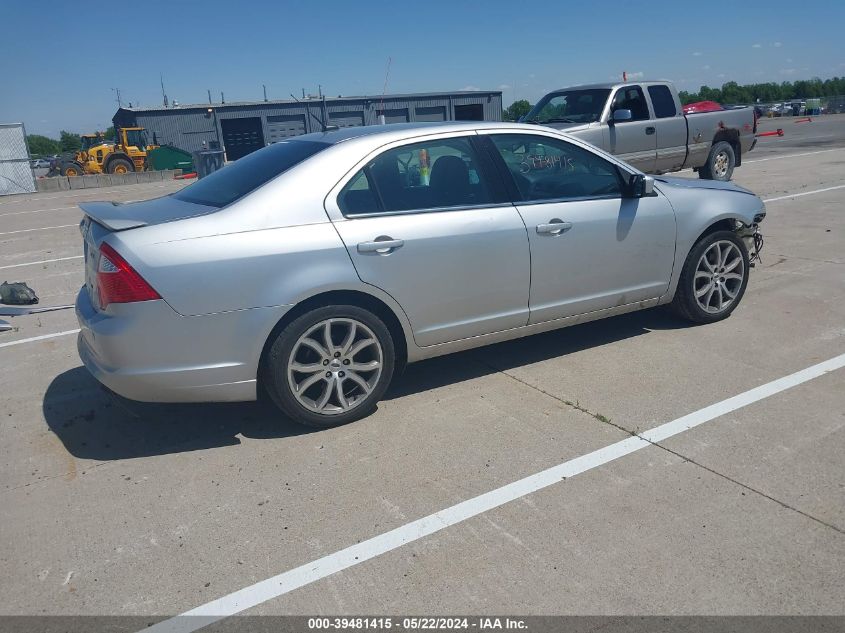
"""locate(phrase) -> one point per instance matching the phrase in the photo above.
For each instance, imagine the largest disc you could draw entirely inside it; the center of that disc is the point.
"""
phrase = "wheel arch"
(345, 297)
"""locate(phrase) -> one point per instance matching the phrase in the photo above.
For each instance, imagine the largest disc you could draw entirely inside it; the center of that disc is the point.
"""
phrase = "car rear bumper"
(146, 351)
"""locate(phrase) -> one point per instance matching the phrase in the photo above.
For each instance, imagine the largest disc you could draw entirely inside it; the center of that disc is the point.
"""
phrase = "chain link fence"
(15, 171)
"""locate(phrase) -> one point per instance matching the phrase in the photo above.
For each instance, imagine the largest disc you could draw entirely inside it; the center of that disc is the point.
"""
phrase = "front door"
(634, 141)
(424, 223)
(591, 248)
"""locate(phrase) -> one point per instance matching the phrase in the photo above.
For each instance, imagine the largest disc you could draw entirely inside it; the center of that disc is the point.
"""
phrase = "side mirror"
(621, 115)
(640, 186)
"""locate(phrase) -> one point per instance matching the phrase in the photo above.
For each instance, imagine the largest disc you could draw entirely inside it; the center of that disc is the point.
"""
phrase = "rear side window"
(247, 174)
(545, 168)
(434, 174)
(662, 101)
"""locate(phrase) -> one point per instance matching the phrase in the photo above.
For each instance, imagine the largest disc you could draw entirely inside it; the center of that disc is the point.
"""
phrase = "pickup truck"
(643, 124)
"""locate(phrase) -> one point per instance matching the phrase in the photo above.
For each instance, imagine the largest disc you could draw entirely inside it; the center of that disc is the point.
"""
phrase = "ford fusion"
(317, 267)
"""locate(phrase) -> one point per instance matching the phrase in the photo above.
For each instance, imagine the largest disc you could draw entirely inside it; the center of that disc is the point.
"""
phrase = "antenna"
(163, 94)
(323, 125)
(381, 118)
(265, 91)
(209, 96)
(222, 98)
(117, 92)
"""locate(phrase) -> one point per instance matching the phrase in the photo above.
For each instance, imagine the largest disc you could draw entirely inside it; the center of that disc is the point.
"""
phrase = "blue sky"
(58, 68)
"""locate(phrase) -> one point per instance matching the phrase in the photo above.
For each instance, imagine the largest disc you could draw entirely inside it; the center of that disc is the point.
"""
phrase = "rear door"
(591, 248)
(425, 223)
(633, 141)
(671, 129)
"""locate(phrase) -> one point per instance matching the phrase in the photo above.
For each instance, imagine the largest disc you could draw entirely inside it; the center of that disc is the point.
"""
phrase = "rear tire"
(120, 166)
(329, 366)
(720, 163)
(713, 279)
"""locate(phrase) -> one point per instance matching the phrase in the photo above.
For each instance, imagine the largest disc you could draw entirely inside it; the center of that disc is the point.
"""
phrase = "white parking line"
(43, 337)
(804, 193)
(308, 573)
(821, 151)
(43, 228)
(3, 215)
(43, 261)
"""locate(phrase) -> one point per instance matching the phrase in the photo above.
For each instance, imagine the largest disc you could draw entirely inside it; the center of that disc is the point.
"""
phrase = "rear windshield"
(248, 173)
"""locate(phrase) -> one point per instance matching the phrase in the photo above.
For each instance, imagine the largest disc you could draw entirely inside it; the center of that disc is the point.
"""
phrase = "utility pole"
(265, 92)
(222, 98)
(209, 96)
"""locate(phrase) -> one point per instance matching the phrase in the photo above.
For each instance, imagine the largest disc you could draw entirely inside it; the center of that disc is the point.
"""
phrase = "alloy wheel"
(719, 276)
(334, 366)
(720, 164)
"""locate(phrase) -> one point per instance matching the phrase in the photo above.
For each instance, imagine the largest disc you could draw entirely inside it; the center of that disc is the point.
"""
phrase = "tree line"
(732, 93)
(41, 146)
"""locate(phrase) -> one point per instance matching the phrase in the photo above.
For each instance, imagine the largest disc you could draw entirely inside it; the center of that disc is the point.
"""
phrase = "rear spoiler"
(109, 215)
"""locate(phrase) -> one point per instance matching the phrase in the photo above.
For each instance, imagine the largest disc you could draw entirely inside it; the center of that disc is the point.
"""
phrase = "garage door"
(394, 115)
(241, 136)
(351, 118)
(434, 113)
(469, 112)
(282, 126)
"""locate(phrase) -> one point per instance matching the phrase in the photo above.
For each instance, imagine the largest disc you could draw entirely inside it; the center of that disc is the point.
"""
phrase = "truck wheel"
(720, 163)
(71, 169)
(713, 279)
(120, 166)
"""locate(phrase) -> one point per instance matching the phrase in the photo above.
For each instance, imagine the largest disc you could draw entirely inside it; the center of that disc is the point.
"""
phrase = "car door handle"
(649, 130)
(382, 245)
(554, 227)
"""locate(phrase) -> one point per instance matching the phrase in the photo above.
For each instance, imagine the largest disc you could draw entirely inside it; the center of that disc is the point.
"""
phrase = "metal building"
(243, 127)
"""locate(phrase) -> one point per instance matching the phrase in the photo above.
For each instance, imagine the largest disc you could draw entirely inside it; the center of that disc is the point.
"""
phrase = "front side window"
(662, 101)
(631, 98)
(428, 175)
(546, 168)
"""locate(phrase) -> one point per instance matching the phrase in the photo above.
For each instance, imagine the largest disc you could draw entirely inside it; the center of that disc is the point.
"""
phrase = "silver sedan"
(316, 268)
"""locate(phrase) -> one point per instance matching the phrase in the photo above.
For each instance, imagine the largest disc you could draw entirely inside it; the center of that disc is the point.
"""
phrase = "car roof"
(336, 136)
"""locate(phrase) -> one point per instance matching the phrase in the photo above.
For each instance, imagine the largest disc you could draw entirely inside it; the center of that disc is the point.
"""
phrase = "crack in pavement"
(635, 433)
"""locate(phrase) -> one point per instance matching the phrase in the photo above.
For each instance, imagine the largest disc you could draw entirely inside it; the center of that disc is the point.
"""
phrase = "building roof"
(329, 100)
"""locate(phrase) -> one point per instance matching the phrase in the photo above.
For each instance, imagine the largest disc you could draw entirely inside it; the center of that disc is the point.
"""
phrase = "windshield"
(570, 106)
(234, 181)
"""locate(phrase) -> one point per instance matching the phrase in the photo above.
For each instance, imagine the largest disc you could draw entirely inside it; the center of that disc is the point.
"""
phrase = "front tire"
(713, 279)
(329, 366)
(720, 162)
(71, 169)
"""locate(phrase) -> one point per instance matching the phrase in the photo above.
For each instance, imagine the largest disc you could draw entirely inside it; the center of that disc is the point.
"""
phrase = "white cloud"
(721, 75)
(697, 54)
(531, 76)
(470, 88)
(636, 75)
(756, 46)
(788, 71)
(788, 60)
(777, 45)
(705, 67)
(504, 87)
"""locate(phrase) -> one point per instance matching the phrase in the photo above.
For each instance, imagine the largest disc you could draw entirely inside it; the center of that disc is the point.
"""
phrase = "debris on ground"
(17, 293)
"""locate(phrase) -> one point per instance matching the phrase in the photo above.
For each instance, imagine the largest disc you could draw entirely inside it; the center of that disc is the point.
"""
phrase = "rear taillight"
(118, 282)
